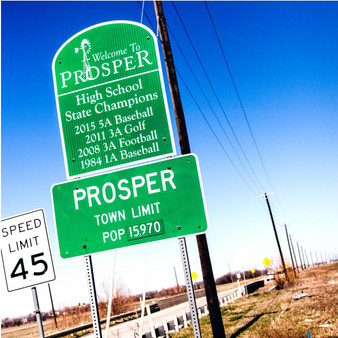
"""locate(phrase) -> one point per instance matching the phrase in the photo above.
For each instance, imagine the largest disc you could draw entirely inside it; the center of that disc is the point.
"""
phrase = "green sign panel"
(111, 100)
(146, 203)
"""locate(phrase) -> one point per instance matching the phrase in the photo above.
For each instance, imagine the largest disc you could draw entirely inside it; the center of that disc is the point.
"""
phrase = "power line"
(242, 106)
(203, 115)
(213, 111)
(205, 118)
(217, 98)
(238, 96)
(218, 140)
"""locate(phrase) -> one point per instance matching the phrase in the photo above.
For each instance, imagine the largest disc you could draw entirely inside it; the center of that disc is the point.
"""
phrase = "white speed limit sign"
(25, 250)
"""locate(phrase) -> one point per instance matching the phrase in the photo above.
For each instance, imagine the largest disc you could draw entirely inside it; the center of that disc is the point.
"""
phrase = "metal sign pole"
(92, 295)
(189, 285)
(37, 312)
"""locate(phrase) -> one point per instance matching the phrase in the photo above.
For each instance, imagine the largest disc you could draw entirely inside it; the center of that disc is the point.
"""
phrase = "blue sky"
(283, 57)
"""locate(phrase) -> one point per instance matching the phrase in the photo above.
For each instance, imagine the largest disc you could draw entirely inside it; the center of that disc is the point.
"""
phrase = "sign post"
(111, 100)
(190, 288)
(128, 207)
(37, 312)
(93, 298)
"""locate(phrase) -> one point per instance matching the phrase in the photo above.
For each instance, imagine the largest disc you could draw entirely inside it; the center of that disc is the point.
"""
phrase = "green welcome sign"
(141, 204)
(110, 96)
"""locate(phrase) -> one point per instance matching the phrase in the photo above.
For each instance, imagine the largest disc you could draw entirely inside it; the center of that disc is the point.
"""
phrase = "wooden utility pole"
(274, 229)
(232, 280)
(300, 257)
(317, 261)
(294, 255)
(177, 285)
(208, 277)
(287, 237)
(307, 259)
(51, 300)
(173, 84)
(302, 251)
(313, 264)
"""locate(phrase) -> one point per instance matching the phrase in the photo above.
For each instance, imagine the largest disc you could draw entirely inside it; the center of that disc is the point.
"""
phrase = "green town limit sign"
(111, 101)
(137, 205)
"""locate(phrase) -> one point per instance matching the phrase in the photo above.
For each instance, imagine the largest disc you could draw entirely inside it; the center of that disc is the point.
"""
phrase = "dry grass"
(275, 314)
(71, 317)
(31, 330)
(264, 314)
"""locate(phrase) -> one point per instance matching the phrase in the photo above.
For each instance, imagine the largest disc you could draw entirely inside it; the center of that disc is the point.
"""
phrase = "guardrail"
(128, 315)
(176, 324)
(183, 320)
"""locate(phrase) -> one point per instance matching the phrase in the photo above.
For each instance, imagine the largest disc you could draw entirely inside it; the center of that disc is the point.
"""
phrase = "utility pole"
(274, 229)
(301, 249)
(293, 250)
(51, 300)
(245, 286)
(287, 237)
(178, 287)
(172, 78)
(208, 277)
(232, 280)
(300, 257)
(307, 259)
(313, 264)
